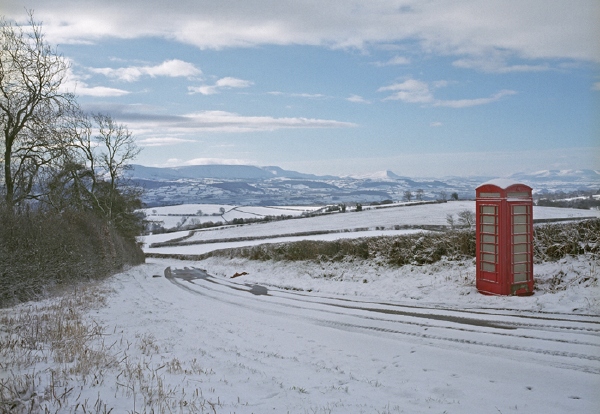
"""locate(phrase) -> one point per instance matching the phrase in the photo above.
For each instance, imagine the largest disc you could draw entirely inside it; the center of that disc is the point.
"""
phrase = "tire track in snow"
(406, 310)
(483, 327)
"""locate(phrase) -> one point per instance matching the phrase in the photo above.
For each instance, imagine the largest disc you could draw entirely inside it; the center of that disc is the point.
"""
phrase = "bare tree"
(420, 194)
(450, 221)
(90, 175)
(118, 148)
(408, 195)
(466, 218)
(105, 149)
(32, 105)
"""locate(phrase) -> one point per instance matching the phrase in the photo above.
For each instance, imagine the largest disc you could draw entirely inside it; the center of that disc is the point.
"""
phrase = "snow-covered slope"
(312, 338)
(393, 219)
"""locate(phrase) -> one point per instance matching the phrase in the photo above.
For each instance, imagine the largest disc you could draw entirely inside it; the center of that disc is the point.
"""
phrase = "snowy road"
(565, 341)
(280, 351)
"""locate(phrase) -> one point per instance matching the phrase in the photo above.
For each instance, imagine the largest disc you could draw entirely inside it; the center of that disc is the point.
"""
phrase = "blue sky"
(422, 88)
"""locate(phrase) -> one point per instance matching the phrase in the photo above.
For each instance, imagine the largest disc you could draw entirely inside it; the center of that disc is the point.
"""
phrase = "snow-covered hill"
(373, 222)
(570, 176)
(252, 185)
(217, 171)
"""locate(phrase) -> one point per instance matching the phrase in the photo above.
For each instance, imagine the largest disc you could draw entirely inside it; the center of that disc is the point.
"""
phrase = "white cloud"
(464, 103)
(75, 84)
(532, 29)
(596, 86)
(308, 95)
(161, 142)
(169, 68)
(395, 61)
(177, 162)
(220, 85)
(416, 91)
(298, 95)
(231, 122)
(98, 91)
(435, 124)
(150, 125)
(229, 82)
(411, 90)
(217, 161)
(496, 64)
(357, 99)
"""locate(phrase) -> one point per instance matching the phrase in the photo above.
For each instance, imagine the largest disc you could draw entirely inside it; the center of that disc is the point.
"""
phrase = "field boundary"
(179, 242)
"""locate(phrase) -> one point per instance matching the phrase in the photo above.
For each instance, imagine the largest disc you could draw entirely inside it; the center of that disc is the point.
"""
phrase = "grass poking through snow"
(55, 360)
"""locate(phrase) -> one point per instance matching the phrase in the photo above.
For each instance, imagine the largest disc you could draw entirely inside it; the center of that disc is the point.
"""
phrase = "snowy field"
(367, 223)
(305, 337)
(171, 217)
(194, 249)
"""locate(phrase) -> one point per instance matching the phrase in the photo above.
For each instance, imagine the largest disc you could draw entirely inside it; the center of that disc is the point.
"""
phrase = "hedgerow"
(41, 251)
(551, 242)
(420, 248)
(555, 241)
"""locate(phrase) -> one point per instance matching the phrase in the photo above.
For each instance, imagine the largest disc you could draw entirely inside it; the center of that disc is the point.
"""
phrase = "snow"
(503, 183)
(447, 283)
(348, 223)
(212, 343)
(335, 337)
(163, 237)
(195, 249)
(430, 214)
(187, 209)
(172, 217)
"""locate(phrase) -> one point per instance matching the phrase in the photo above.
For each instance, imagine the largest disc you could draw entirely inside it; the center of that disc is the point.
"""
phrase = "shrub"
(551, 242)
(41, 251)
(396, 251)
(555, 241)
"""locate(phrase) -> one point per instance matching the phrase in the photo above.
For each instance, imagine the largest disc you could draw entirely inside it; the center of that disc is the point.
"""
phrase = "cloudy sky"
(419, 87)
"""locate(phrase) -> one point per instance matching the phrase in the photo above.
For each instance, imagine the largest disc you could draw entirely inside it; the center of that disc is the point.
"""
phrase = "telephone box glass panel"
(521, 243)
(488, 256)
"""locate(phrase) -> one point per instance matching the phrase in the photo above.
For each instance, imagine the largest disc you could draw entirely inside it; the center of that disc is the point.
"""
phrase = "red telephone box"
(504, 220)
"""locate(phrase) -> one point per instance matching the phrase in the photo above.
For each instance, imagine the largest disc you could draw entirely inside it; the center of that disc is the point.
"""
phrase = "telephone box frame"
(504, 238)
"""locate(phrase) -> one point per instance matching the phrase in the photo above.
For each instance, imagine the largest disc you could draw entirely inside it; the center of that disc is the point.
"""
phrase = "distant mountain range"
(250, 172)
(572, 176)
(226, 172)
(251, 185)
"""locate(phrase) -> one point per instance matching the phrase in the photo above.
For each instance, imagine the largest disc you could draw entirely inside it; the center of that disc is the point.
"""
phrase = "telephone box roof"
(502, 183)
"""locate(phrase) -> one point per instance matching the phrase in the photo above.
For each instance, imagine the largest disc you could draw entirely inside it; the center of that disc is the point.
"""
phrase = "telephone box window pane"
(519, 209)
(522, 257)
(489, 195)
(488, 238)
(488, 219)
(520, 219)
(520, 239)
(488, 267)
(520, 277)
(488, 229)
(520, 228)
(520, 248)
(518, 195)
(520, 268)
(488, 248)
(488, 209)
(489, 257)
